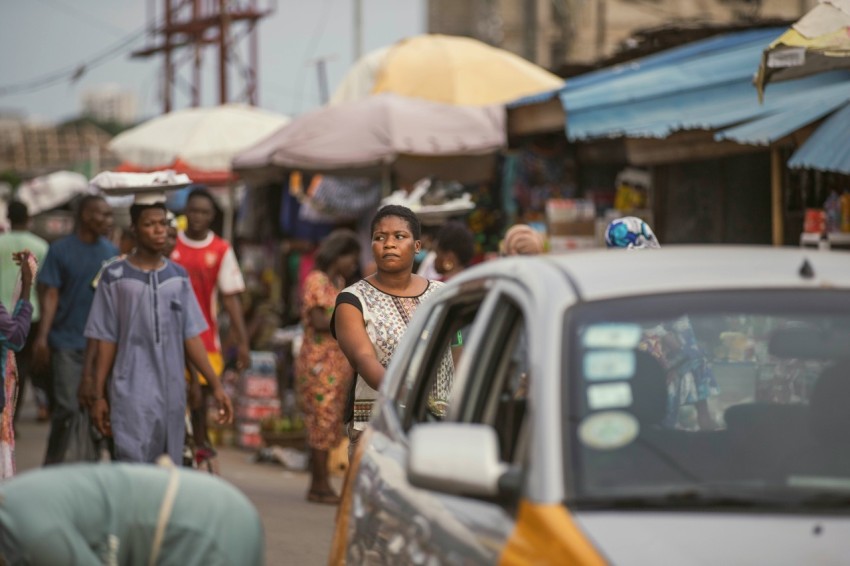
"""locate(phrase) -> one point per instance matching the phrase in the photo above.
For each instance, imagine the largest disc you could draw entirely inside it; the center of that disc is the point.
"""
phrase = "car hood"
(716, 538)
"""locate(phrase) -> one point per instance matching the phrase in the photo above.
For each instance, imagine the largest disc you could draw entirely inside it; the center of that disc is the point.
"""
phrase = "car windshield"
(710, 399)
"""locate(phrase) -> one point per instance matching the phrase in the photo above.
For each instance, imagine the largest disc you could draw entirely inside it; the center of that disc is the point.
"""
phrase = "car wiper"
(689, 498)
(824, 500)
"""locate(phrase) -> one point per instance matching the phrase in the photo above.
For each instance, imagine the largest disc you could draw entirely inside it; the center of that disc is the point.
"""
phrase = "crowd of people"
(117, 331)
(132, 338)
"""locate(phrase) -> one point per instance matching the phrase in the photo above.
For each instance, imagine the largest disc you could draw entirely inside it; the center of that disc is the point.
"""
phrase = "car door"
(397, 523)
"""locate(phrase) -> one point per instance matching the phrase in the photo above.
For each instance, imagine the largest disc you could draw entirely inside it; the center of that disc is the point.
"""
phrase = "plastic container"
(832, 207)
(814, 221)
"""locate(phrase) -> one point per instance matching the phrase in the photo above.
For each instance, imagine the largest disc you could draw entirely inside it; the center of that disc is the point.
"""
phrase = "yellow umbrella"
(453, 70)
(818, 42)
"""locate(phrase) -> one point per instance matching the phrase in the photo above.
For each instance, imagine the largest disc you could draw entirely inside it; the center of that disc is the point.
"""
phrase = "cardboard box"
(248, 435)
(258, 409)
(562, 244)
(264, 363)
(576, 228)
(259, 386)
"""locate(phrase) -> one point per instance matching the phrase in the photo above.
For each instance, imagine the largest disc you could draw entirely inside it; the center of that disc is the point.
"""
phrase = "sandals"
(323, 497)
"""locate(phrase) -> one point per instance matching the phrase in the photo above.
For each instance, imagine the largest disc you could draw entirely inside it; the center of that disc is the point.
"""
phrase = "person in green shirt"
(126, 514)
(20, 238)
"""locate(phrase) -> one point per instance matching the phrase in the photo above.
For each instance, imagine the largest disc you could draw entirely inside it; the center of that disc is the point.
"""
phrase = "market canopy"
(818, 42)
(409, 137)
(827, 149)
(447, 69)
(200, 142)
(705, 85)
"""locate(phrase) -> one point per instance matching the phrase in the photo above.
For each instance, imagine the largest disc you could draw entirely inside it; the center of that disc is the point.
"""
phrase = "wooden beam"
(681, 147)
(541, 118)
(776, 199)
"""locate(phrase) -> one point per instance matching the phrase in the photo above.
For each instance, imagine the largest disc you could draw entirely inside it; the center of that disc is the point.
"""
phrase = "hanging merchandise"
(832, 207)
(344, 198)
(632, 187)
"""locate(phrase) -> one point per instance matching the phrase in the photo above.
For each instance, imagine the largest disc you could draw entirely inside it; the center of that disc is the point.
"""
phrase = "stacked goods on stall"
(571, 224)
(258, 399)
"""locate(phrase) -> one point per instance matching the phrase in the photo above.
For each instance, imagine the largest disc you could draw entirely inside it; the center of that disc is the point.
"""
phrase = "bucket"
(814, 221)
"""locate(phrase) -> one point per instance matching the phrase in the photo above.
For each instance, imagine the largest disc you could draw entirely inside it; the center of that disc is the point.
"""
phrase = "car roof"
(604, 274)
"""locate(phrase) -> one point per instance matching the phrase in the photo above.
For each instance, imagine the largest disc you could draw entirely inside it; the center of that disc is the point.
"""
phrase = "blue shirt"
(71, 266)
(149, 315)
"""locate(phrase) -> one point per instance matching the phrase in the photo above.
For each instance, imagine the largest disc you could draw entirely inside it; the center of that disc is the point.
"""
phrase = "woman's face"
(444, 261)
(393, 245)
(347, 265)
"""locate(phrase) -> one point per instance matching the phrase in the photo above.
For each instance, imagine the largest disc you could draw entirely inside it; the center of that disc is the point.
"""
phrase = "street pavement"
(297, 532)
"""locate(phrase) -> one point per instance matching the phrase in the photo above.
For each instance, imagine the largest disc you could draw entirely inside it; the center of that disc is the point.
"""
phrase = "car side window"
(501, 389)
(425, 394)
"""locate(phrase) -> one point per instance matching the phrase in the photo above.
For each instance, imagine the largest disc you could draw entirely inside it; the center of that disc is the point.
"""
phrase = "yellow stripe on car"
(546, 534)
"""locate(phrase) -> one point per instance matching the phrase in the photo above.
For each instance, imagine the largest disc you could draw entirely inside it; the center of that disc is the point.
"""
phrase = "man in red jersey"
(214, 274)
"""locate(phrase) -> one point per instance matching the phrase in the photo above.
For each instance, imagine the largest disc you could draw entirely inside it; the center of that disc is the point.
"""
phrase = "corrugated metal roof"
(720, 60)
(707, 108)
(705, 85)
(698, 49)
(828, 148)
(798, 110)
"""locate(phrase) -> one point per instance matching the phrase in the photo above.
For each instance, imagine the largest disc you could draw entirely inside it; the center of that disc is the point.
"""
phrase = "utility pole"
(529, 20)
(601, 26)
(358, 29)
(189, 26)
(321, 64)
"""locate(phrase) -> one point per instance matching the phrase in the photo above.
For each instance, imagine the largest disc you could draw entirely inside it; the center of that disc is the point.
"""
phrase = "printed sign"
(620, 336)
(608, 430)
(609, 395)
(603, 365)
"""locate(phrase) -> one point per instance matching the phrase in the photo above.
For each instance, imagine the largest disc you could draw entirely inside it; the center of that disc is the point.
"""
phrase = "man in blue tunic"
(145, 316)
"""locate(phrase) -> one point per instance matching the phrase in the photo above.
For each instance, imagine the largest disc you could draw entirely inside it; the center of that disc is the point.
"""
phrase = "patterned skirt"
(7, 433)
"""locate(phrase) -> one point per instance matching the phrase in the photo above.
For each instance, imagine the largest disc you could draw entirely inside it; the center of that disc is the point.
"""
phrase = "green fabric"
(89, 513)
(11, 242)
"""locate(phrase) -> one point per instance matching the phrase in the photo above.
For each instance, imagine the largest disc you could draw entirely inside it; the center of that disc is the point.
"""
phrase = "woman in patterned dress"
(323, 374)
(372, 315)
(14, 327)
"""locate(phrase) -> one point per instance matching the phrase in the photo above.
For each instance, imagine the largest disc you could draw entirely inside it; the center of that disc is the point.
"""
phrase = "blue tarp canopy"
(705, 85)
(828, 149)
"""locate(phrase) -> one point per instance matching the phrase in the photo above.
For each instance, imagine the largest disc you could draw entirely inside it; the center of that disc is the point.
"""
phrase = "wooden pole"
(776, 195)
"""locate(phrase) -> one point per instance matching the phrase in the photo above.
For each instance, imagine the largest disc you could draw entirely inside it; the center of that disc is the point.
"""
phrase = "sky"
(41, 37)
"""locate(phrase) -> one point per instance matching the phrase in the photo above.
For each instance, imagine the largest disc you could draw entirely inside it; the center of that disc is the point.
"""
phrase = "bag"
(79, 444)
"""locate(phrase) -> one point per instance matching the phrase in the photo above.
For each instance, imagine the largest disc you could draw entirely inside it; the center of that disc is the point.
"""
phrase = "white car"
(689, 405)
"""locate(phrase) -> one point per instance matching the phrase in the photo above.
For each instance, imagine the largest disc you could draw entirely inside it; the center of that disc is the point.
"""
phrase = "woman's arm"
(355, 344)
(15, 327)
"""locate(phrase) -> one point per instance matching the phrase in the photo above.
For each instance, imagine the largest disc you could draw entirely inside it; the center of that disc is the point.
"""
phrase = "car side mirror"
(460, 458)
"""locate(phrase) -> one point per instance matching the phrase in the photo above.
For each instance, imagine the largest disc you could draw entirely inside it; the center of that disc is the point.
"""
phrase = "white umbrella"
(51, 191)
(203, 139)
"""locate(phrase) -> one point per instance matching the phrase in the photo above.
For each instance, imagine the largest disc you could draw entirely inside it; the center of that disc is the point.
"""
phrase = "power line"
(76, 72)
(83, 16)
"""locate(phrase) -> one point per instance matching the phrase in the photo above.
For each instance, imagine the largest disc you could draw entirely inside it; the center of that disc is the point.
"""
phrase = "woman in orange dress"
(322, 372)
